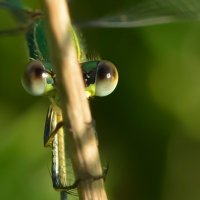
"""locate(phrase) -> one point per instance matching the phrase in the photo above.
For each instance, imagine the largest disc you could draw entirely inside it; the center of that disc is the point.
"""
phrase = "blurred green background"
(148, 129)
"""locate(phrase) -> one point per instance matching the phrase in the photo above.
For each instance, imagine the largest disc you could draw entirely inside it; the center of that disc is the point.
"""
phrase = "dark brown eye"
(106, 78)
(36, 80)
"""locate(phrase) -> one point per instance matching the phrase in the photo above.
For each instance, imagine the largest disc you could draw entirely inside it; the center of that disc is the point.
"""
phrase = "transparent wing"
(151, 12)
(24, 17)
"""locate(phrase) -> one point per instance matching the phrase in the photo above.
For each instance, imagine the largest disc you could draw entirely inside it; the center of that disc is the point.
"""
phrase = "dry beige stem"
(84, 151)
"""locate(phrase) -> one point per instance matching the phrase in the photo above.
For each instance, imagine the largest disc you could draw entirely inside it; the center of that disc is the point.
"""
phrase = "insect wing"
(151, 13)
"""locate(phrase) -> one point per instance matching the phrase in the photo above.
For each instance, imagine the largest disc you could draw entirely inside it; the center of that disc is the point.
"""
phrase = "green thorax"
(38, 45)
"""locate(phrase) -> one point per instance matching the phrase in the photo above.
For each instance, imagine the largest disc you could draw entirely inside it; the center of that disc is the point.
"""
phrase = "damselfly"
(100, 78)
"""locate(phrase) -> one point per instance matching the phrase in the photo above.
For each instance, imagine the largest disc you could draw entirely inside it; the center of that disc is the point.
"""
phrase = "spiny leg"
(56, 140)
(49, 141)
(78, 181)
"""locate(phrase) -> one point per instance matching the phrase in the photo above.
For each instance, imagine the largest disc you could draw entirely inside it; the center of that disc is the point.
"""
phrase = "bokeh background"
(148, 129)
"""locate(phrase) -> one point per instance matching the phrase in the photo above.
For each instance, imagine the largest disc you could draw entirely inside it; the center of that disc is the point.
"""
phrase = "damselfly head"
(100, 77)
(36, 80)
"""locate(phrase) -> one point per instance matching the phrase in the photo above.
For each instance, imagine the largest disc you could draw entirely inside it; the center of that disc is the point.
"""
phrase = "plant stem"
(83, 145)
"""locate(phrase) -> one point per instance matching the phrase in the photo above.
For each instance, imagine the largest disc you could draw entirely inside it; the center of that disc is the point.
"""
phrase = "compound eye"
(35, 79)
(106, 78)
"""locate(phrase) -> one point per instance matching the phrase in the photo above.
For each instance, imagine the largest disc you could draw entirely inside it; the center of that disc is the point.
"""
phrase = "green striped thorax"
(100, 76)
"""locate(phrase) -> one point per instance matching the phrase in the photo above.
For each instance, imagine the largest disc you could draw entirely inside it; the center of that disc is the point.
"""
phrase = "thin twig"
(75, 107)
